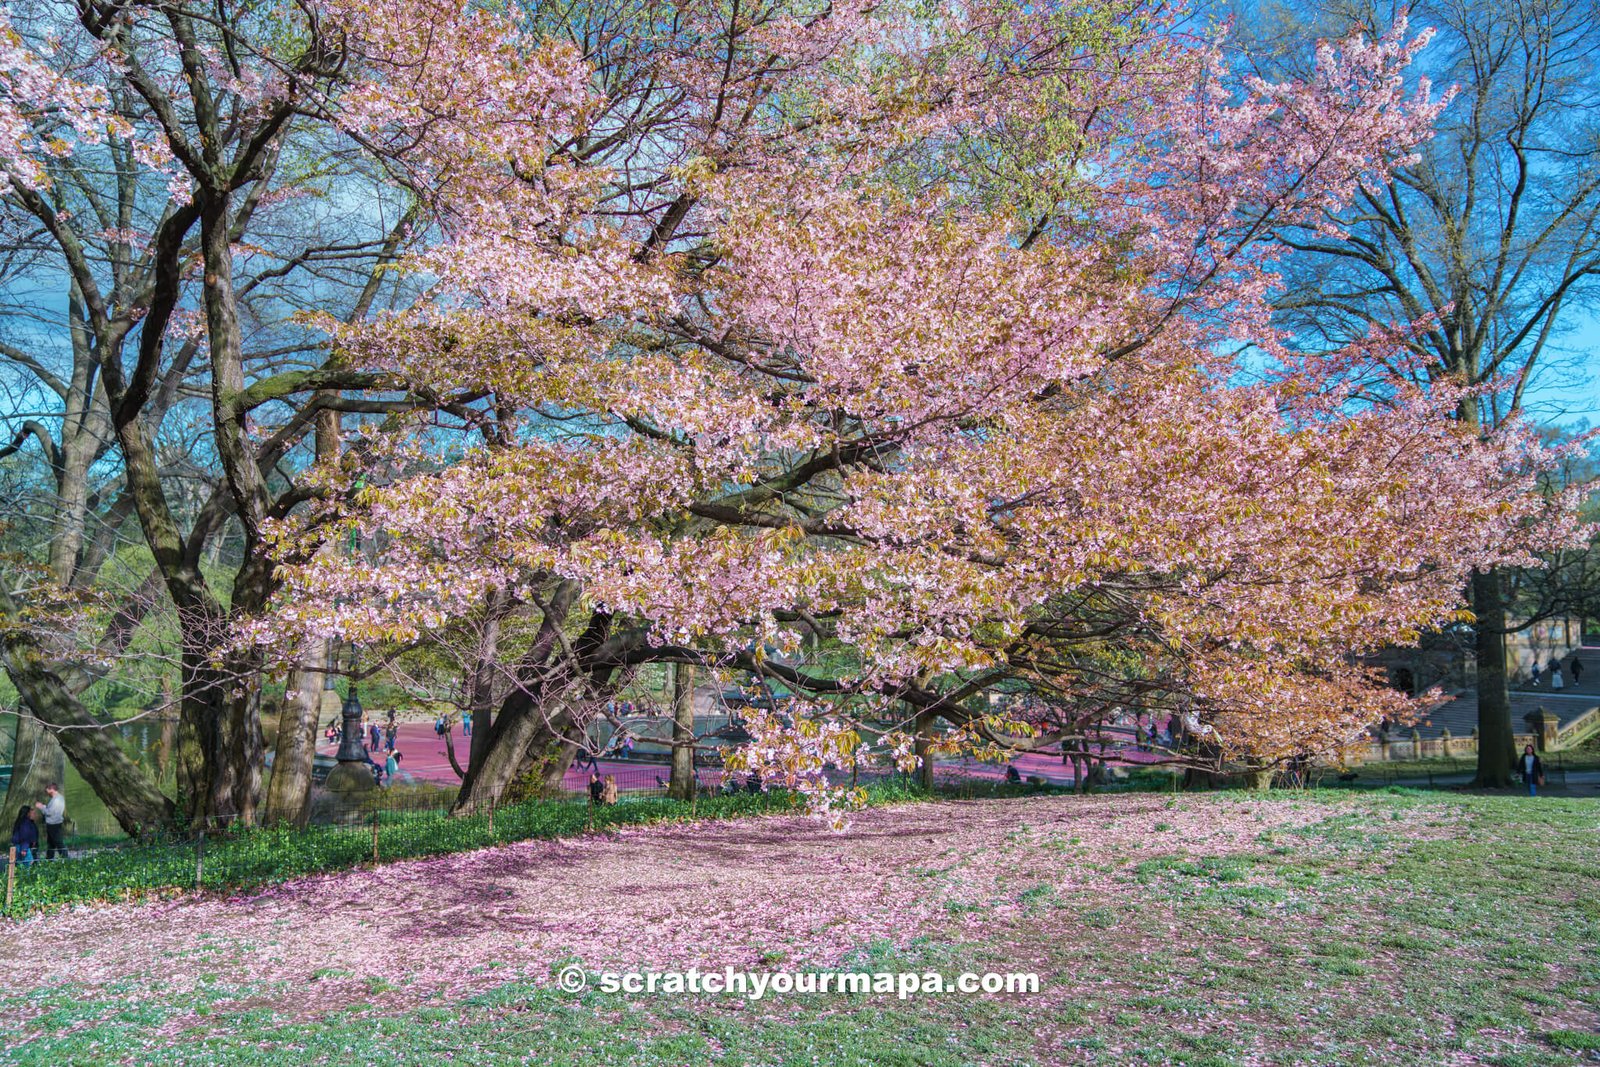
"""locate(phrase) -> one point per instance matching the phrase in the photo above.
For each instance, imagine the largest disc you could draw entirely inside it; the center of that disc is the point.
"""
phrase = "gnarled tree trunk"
(130, 794)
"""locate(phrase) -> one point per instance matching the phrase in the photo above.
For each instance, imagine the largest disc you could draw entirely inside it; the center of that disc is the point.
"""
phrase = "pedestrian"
(1577, 669)
(597, 788)
(466, 724)
(1532, 771)
(392, 734)
(391, 767)
(55, 815)
(438, 726)
(376, 735)
(1557, 683)
(25, 836)
(627, 746)
(1013, 776)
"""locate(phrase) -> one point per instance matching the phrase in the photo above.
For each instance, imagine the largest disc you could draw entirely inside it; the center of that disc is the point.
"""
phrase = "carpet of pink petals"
(741, 893)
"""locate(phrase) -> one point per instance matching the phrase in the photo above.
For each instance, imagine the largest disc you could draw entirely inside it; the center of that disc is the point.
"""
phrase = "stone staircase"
(1576, 706)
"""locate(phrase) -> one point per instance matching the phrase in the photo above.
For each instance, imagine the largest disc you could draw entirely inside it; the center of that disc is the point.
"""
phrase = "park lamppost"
(352, 772)
(351, 750)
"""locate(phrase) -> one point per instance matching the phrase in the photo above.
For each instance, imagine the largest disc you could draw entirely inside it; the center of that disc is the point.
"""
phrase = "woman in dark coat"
(1532, 770)
(25, 835)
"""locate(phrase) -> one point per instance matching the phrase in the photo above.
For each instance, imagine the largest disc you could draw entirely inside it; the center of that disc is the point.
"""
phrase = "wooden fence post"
(491, 816)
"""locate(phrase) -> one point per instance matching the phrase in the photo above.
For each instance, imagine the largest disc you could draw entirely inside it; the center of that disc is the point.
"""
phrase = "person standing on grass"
(1532, 770)
(25, 836)
(55, 817)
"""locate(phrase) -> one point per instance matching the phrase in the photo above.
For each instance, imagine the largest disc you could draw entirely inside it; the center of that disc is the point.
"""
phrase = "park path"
(425, 759)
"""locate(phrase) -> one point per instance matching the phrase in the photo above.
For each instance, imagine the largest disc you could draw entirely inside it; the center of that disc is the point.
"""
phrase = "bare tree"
(1491, 239)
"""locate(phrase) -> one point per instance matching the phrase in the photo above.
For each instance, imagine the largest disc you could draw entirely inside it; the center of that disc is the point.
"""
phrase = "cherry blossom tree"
(881, 353)
(885, 354)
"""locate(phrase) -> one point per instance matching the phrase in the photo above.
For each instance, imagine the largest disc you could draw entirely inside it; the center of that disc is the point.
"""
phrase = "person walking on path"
(1577, 669)
(466, 724)
(55, 817)
(1557, 683)
(392, 734)
(25, 836)
(1532, 771)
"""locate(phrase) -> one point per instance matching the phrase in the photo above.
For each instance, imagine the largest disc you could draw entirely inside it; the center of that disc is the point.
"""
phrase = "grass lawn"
(1338, 927)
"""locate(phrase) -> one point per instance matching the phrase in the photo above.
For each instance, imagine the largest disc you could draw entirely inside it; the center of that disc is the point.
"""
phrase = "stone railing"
(1446, 747)
(1578, 728)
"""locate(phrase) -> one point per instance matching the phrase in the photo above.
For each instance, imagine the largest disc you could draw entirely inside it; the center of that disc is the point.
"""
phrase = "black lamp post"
(351, 750)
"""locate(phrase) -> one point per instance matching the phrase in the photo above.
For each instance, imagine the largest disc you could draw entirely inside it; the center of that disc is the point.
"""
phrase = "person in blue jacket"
(25, 836)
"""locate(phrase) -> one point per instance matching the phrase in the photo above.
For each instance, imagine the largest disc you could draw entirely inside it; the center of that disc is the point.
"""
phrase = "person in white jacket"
(55, 817)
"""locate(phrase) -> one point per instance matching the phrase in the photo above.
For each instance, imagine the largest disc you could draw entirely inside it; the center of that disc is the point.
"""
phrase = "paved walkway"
(424, 759)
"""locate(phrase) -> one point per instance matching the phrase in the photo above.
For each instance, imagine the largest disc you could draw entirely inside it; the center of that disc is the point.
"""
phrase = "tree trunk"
(294, 755)
(1496, 743)
(127, 791)
(535, 729)
(681, 786)
(924, 751)
(479, 682)
(36, 758)
(527, 741)
(219, 740)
